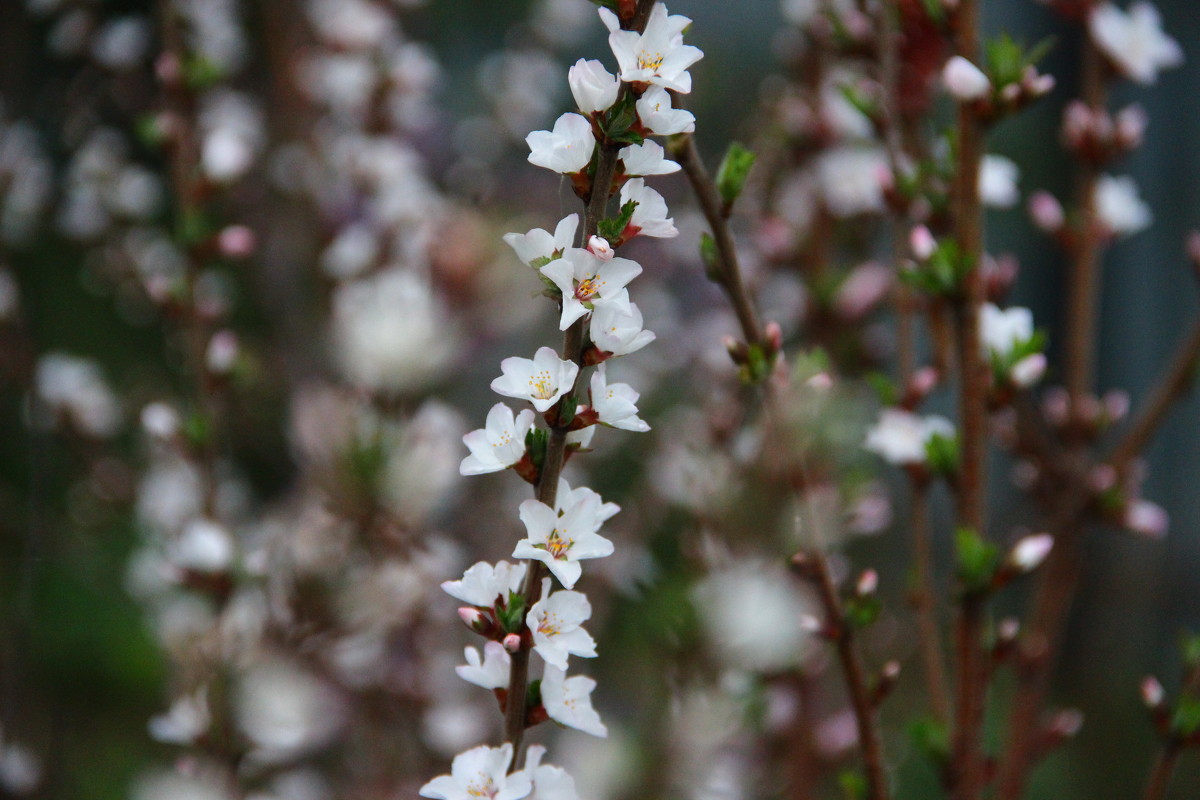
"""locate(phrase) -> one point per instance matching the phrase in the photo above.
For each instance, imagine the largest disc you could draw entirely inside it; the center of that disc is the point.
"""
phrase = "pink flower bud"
(868, 582)
(512, 642)
(1030, 552)
(1008, 630)
(1102, 478)
(1056, 405)
(222, 352)
(1116, 404)
(471, 617)
(1146, 518)
(964, 80)
(774, 336)
(890, 671)
(923, 381)
(1011, 93)
(1153, 693)
(1130, 126)
(922, 243)
(237, 241)
(1046, 212)
(1066, 724)
(1036, 85)
(1028, 371)
(600, 248)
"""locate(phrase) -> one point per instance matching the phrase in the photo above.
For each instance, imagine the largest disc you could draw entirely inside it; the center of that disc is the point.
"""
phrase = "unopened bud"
(922, 243)
(222, 352)
(964, 80)
(471, 617)
(1116, 405)
(868, 582)
(1046, 212)
(1148, 519)
(600, 248)
(774, 336)
(168, 69)
(1130, 126)
(922, 382)
(237, 241)
(160, 420)
(1056, 405)
(512, 642)
(1065, 724)
(1008, 630)
(1030, 552)
(1028, 371)
(1011, 93)
(1102, 478)
(1036, 85)
(1153, 694)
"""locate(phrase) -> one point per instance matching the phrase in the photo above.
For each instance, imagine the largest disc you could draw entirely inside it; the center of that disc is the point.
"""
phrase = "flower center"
(540, 385)
(650, 61)
(587, 289)
(482, 786)
(558, 546)
(549, 626)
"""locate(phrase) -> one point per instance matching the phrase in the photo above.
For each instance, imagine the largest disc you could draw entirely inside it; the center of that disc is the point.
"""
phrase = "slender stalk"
(1164, 768)
(968, 775)
(1084, 273)
(870, 739)
(924, 603)
(1171, 385)
(547, 486)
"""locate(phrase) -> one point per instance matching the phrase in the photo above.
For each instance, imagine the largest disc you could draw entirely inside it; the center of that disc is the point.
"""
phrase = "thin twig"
(924, 603)
(1164, 768)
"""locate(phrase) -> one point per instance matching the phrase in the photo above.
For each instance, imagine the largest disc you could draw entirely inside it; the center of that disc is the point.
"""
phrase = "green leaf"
(512, 615)
(196, 430)
(615, 123)
(732, 174)
(1189, 649)
(862, 611)
(566, 409)
(199, 73)
(852, 784)
(612, 228)
(1186, 719)
(884, 387)
(941, 454)
(535, 444)
(977, 559)
(931, 737)
(713, 266)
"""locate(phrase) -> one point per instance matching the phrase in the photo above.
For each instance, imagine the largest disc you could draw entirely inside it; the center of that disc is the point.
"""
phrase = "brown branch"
(1177, 379)
(924, 602)
(547, 486)
(1164, 768)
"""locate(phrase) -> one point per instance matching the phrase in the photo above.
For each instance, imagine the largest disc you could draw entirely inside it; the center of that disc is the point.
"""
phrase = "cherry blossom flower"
(499, 444)
(566, 149)
(481, 772)
(615, 403)
(539, 246)
(1002, 331)
(998, 182)
(616, 329)
(549, 782)
(900, 436)
(1118, 207)
(560, 541)
(657, 55)
(566, 497)
(482, 584)
(1029, 553)
(593, 87)
(568, 701)
(650, 217)
(541, 380)
(490, 673)
(583, 278)
(646, 159)
(657, 116)
(964, 80)
(1134, 41)
(556, 624)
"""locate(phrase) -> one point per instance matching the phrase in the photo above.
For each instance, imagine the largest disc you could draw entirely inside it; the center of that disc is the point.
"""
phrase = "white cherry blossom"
(647, 158)
(1003, 330)
(658, 54)
(541, 380)
(549, 782)
(482, 584)
(481, 772)
(1134, 41)
(965, 81)
(583, 278)
(616, 328)
(499, 444)
(657, 115)
(650, 217)
(556, 624)
(593, 87)
(615, 403)
(566, 149)
(562, 541)
(568, 701)
(490, 673)
(538, 246)
(566, 497)
(900, 436)
(1118, 207)
(998, 182)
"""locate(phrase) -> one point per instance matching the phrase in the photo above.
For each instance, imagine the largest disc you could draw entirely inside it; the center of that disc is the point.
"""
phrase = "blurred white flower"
(1134, 41)
(1003, 330)
(285, 711)
(121, 44)
(965, 81)
(392, 332)
(852, 179)
(900, 436)
(998, 182)
(204, 546)
(75, 388)
(185, 721)
(749, 612)
(174, 786)
(1119, 209)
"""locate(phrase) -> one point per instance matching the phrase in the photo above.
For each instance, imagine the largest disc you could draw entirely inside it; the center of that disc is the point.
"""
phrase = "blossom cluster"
(605, 138)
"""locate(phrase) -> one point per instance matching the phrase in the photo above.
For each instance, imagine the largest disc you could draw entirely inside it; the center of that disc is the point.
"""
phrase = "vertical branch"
(1164, 768)
(924, 602)
(968, 775)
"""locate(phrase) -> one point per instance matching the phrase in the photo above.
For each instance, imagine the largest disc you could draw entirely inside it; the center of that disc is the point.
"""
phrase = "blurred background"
(358, 165)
